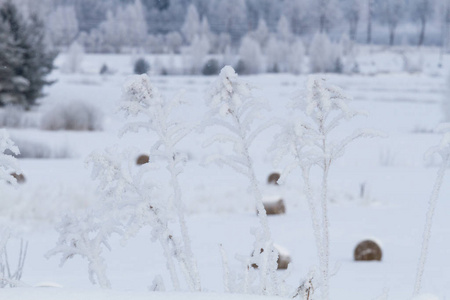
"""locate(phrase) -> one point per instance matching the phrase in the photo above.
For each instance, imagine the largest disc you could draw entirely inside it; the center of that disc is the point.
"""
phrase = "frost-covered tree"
(323, 55)
(234, 109)
(62, 25)
(261, 34)
(284, 32)
(295, 57)
(309, 143)
(326, 13)
(443, 150)
(164, 16)
(298, 14)
(124, 27)
(74, 58)
(174, 41)
(277, 55)
(113, 33)
(195, 55)
(137, 25)
(191, 26)
(250, 56)
(229, 17)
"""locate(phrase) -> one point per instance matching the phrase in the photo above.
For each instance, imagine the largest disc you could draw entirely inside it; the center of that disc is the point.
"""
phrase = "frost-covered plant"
(8, 163)
(128, 203)
(86, 235)
(443, 150)
(7, 276)
(308, 142)
(141, 99)
(233, 108)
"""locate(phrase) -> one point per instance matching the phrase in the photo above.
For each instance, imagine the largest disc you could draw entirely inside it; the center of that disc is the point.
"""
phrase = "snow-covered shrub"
(443, 150)
(40, 150)
(74, 115)
(324, 107)
(141, 66)
(234, 109)
(251, 57)
(412, 63)
(14, 116)
(211, 67)
(73, 59)
(106, 70)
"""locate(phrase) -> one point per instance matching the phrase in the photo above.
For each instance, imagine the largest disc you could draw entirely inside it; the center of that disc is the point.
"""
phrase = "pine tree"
(33, 60)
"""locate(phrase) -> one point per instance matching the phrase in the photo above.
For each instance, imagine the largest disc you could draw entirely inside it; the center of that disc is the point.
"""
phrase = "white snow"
(221, 210)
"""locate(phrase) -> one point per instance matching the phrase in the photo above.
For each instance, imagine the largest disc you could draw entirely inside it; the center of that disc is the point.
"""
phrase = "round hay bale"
(142, 159)
(274, 206)
(273, 178)
(19, 177)
(367, 250)
(283, 258)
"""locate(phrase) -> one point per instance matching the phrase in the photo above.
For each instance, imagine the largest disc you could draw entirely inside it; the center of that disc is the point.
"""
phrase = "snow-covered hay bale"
(142, 159)
(274, 205)
(19, 177)
(273, 178)
(284, 258)
(367, 250)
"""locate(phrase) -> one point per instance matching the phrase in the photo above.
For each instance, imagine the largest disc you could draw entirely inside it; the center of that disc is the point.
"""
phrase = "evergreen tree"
(28, 59)
(10, 60)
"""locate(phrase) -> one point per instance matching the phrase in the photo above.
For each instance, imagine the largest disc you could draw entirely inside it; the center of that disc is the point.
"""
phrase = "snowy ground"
(396, 178)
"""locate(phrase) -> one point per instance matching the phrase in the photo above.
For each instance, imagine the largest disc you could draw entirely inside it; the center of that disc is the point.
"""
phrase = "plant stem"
(428, 224)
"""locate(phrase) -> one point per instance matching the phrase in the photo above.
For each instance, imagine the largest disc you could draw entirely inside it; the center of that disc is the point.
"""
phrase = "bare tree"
(444, 16)
(422, 10)
(369, 20)
(352, 10)
(391, 12)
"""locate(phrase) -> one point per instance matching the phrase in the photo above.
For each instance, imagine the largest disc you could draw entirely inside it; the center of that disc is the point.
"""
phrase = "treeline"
(164, 26)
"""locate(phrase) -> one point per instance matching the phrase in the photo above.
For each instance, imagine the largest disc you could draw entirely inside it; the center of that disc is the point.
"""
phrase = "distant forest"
(165, 26)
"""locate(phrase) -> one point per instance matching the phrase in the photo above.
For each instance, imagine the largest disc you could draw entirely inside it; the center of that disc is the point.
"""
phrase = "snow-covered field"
(396, 179)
